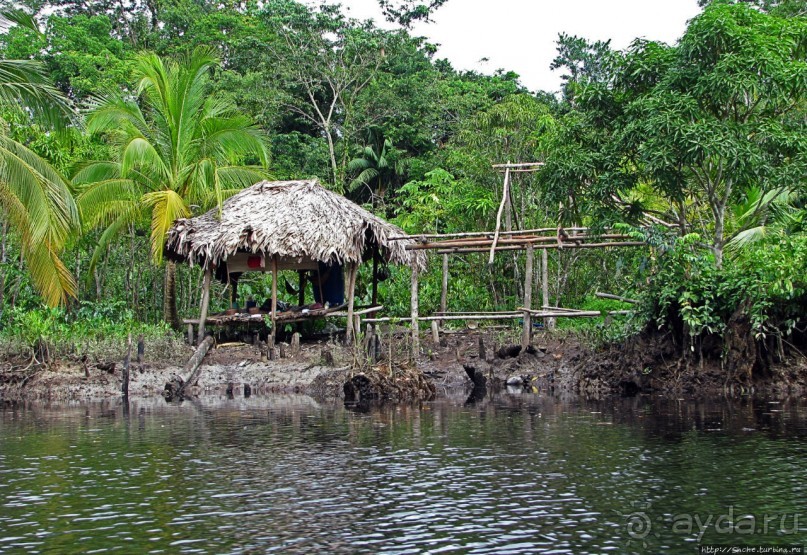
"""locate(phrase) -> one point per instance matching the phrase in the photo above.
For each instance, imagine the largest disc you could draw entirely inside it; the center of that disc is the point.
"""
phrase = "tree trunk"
(3, 266)
(170, 295)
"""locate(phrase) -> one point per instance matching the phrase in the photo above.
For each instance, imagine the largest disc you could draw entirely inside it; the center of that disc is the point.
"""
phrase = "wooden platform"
(287, 317)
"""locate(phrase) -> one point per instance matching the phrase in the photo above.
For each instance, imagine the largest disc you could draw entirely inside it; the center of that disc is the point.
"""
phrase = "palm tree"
(175, 146)
(35, 199)
(378, 165)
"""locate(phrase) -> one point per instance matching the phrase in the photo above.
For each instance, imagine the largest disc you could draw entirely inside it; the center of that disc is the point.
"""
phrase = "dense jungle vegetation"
(117, 118)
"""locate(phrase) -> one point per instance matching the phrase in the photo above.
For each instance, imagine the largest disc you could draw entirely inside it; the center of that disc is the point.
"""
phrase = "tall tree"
(176, 146)
(722, 113)
(329, 60)
(35, 198)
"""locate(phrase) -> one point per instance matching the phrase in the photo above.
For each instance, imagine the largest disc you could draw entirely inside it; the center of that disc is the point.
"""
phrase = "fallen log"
(193, 366)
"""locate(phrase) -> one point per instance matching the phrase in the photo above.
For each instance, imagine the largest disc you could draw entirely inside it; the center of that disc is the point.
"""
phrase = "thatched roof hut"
(291, 220)
(288, 225)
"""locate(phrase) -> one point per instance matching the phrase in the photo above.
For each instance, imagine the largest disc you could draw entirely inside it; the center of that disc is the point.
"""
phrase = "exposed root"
(399, 382)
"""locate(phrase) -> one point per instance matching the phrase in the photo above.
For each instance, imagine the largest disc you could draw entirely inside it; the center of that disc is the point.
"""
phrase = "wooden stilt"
(414, 309)
(527, 333)
(205, 303)
(350, 330)
(274, 296)
(435, 333)
(444, 287)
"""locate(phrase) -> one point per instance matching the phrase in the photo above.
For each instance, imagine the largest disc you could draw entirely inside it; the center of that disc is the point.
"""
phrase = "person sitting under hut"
(329, 284)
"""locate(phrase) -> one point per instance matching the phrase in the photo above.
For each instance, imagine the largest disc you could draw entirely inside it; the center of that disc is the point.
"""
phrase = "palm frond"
(166, 207)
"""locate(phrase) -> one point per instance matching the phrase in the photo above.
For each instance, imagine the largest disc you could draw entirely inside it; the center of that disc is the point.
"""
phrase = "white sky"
(520, 35)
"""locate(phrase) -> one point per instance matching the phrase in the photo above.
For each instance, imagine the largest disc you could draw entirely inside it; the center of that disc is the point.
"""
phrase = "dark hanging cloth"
(329, 284)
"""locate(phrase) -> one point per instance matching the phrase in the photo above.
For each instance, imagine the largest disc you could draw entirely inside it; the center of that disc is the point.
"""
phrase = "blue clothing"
(333, 286)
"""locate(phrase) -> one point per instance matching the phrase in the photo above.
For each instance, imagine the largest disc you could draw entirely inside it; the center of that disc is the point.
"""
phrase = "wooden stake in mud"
(526, 334)
(505, 197)
(205, 303)
(274, 296)
(414, 307)
(124, 388)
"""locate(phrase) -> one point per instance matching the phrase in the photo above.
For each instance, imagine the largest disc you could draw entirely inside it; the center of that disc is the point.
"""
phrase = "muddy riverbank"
(554, 363)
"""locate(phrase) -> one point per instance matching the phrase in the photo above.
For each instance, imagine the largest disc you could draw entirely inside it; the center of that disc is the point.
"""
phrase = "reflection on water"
(512, 474)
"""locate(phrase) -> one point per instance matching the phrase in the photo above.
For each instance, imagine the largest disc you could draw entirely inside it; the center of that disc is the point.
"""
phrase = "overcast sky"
(520, 35)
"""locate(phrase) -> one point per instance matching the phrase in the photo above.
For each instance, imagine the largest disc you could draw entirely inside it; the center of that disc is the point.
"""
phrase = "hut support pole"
(274, 296)
(444, 288)
(350, 330)
(414, 306)
(205, 303)
(525, 336)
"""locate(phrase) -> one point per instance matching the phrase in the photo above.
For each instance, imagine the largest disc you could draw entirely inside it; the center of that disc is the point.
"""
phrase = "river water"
(513, 473)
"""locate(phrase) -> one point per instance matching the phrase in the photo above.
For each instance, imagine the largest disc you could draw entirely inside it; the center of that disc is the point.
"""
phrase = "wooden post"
(527, 333)
(548, 322)
(125, 373)
(350, 330)
(190, 334)
(295, 344)
(274, 296)
(505, 198)
(205, 303)
(444, 287)
(435, 333)
(414, 308)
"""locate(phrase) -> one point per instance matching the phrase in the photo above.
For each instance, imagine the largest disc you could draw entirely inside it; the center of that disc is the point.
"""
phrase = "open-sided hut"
(288, 225)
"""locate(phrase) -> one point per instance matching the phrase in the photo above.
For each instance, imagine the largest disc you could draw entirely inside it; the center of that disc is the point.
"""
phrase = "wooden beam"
(505, 196)
(425, 236)
(520, 165)
(205, 303)
(486, 243)
(526, 333)
(460, 250)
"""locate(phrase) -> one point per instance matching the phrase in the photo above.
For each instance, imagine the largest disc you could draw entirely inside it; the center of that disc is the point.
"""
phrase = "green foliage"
(766, 284)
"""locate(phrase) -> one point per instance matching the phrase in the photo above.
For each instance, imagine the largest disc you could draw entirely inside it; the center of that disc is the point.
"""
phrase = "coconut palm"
(378, 165)
(175, 146)
(35, 198)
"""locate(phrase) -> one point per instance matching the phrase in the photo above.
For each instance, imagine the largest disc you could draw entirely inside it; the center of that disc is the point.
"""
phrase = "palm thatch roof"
(289, 219)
